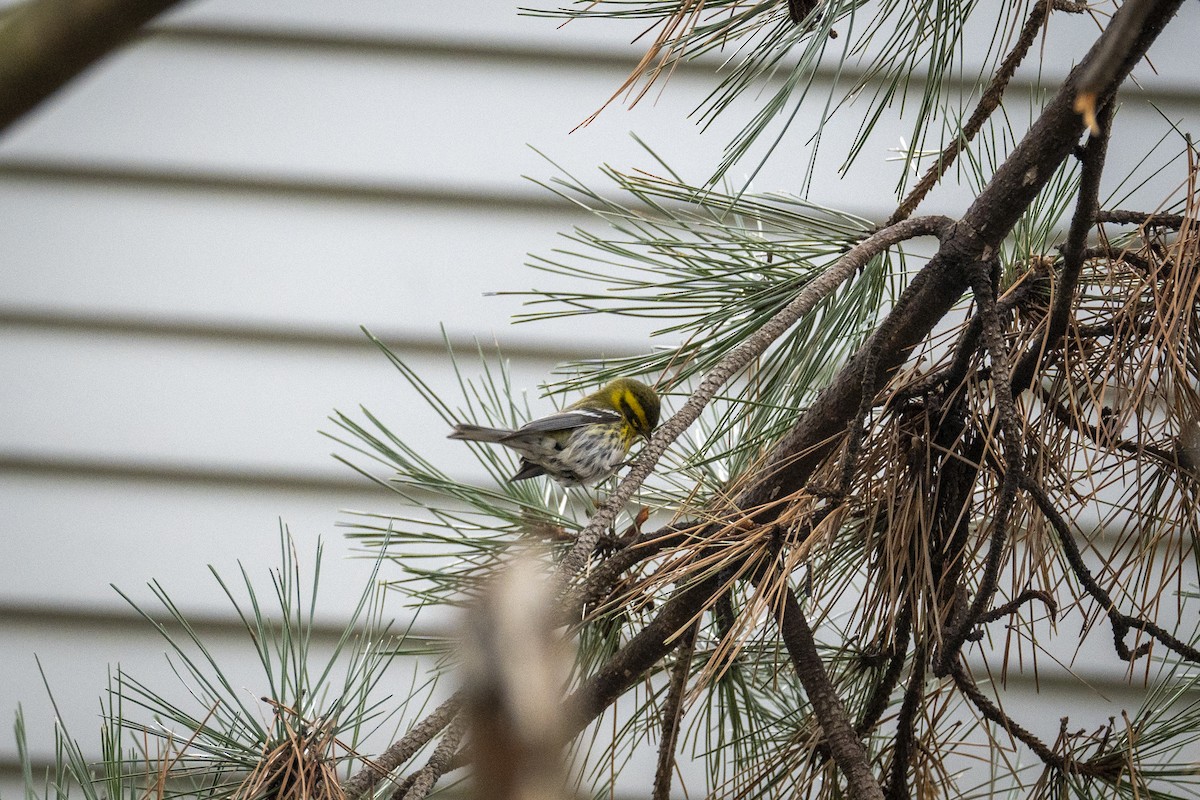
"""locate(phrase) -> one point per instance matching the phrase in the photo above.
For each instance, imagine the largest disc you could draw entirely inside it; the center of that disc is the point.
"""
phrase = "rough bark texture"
(973, 239)
(46, 43)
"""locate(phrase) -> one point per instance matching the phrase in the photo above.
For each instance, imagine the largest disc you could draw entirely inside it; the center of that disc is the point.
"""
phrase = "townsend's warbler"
(586, 441)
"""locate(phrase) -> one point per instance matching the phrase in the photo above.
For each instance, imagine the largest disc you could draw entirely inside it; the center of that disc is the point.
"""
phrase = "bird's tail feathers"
(478, 433)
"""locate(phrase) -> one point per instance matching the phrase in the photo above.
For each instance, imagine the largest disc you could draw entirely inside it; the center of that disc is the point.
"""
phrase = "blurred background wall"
(191, 234)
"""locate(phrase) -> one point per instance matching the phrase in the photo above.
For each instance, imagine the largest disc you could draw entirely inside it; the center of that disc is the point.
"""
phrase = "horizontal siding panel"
(486, 23)
(419, 120)
(219, 405)
(72, 537)
(296, 262)
(429, 121)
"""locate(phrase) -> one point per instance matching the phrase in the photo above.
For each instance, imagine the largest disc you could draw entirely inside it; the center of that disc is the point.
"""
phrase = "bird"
(584, 443)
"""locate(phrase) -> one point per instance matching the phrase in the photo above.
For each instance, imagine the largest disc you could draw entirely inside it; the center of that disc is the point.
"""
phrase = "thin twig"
(1106, 251)
(988, 103)
(906, 724)
(401, 751)
(1102, 438)
(877, 703)
(1141, 218)
(438, 762)
(673, 714)
(857, 431)
(1122, 623)
(1011, 607)
(993, 713)
(604, 575)
(737, 359)
(1086, 207)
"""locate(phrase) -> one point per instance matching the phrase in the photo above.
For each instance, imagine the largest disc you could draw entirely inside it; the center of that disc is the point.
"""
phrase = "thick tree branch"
(942, 282)
(1110, 59)
(840, 736)
(629, 664)
(45, 43)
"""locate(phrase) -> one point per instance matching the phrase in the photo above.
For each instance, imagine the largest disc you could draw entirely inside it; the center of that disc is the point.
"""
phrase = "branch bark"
(628, 665)
(46, 43)
(673, 715)
(934, 291)
(438, 764)
(366, 779)
(840, 736)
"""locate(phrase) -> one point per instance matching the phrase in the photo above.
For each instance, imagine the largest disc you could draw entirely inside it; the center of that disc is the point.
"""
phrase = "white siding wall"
(192, 232)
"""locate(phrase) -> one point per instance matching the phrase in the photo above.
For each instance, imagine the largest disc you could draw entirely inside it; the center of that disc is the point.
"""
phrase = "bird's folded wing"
(565, 420)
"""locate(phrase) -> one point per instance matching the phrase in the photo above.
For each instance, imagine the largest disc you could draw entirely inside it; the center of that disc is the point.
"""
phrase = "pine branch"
(365, 781)
(730, 366)
(46, 43)
(840, 736)
(974, 239)
(877, 702)
(988, 103)
(672, 715)
(940, 284)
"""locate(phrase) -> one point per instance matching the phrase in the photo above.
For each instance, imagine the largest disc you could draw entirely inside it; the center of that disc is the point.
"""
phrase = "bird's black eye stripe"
(628, 412)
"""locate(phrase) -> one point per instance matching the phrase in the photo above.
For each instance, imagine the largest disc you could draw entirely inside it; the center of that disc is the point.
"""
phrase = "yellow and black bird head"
(636, 402)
